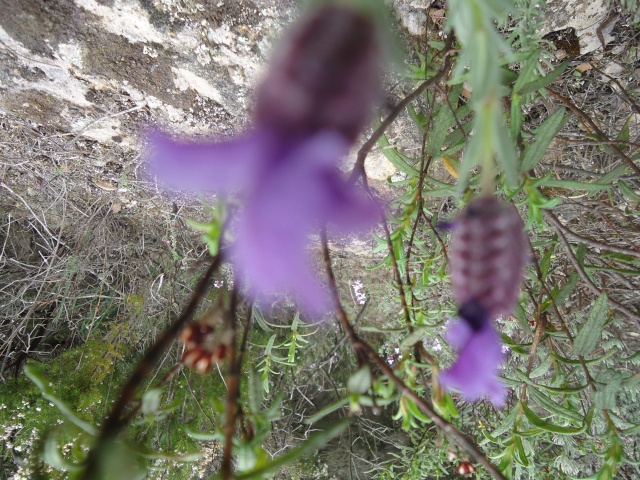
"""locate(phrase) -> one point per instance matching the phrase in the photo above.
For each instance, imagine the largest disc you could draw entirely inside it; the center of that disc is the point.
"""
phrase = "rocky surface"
(78, 65)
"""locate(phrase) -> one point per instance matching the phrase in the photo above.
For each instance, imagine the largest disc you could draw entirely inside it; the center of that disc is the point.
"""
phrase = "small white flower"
(357, 286)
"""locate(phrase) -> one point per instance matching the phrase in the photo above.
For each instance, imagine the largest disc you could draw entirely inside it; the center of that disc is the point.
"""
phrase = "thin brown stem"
(595, 243)
(362, 347)
(594, 128)
(358, 168)
(566, 330)
(117, 419)
(233, 389)
(550, 217)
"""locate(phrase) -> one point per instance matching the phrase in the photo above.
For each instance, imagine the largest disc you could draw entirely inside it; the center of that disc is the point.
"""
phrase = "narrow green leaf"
(53, 457)
(313, 443)
(360, 382)
(610, 177)
(36, 375)
(411, 339)
(553, 407)
(527, 73)
(606, 398)
(521, 456)
(255, 391)
(591, 361)
(548, 426)
(590, 333)
(540, 83)
(205, 436)
(506, 424)
(326, 411)
(398, 160)
(567, 288)
(628, 192)
(547, 181)
(544, 134)
(555, 390)
(623, 136)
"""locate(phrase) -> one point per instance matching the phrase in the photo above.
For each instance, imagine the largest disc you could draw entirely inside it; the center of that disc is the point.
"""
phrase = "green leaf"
(544, 134)
(204, 436)
(540, 83)
(397, 159)
(326, 411)
(606, 398)
(506, 424)
(545, 262)
(36, 375)
(52, 456)
(623, 136)
(555, 390)
(628, 192)
(591, 361)
(521, 456)
(360, 382)
(151, 401)
(554, 407)
(590, 333)
(411, 339)
(567, 288)
(313, 443)
(528, 69)
(255, 391)
(547, 181)
(550, 427)
(506, 154)
(613, 175)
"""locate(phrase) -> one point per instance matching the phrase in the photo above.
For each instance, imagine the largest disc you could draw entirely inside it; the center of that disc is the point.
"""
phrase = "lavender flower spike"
(487, 260)
(316, 98)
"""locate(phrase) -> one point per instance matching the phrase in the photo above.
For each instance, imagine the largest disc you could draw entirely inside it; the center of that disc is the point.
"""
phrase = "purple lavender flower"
(487, 260)
(475, 372)
(316, 98)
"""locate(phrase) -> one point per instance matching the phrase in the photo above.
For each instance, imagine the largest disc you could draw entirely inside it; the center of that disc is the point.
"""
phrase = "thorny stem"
(362, 347)
(550, 217)
(117, 419)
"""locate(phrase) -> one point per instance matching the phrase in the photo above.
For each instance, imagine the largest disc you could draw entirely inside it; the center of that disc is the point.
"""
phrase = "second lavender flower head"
(316, 98)
(487, 258)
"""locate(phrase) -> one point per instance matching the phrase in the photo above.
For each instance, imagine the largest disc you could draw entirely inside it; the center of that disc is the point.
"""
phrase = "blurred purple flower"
(475, 372)
(487, 258)
(316, 98)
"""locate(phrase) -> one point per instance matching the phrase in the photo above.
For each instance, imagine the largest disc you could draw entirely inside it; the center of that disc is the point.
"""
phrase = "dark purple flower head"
(487, 257)
(325, 75)
(316, 98)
